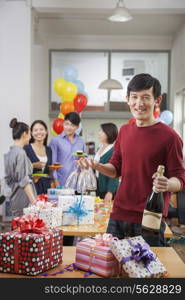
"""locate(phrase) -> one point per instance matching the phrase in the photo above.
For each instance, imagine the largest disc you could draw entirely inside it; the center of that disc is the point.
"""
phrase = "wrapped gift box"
(52, 216)
(136, 258)
(77, 210)
(60, 192)
(30, 253)
(96, 258)
(54, 193)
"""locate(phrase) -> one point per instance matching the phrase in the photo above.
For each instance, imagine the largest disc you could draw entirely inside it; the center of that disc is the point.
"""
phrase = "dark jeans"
(68, 240)
(123, 229)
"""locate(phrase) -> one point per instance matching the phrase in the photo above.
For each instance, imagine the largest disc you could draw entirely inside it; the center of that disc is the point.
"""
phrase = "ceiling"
(89, 17)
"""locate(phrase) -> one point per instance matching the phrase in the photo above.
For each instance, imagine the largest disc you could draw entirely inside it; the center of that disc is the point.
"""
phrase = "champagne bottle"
(153, 211)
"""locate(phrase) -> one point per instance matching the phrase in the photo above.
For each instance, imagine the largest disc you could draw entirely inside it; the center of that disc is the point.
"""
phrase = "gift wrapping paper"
(52, 216)
(133, 253)
(77, 210)
(95, 258)
(60, 192)
(30, 253)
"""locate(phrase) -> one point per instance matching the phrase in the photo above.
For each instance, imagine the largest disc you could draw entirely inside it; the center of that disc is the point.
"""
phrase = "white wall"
(178, 64)
(44, 42)
(15, 69)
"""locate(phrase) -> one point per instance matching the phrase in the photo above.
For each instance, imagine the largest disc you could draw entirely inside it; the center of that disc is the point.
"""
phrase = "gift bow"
(28, 224)
(140, 253)
(42, 197)
(78, 209)
(103, 239)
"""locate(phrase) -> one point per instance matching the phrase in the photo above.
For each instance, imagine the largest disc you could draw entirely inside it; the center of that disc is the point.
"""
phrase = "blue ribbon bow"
(77, 208)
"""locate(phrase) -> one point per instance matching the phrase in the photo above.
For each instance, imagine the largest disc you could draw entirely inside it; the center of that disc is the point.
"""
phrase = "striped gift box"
(95, 258)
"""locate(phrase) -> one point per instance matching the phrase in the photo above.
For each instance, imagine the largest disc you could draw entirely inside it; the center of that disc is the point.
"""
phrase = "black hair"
(18, 128)
(111, 131)
(44, 125)
(144, 81)
(73, 117)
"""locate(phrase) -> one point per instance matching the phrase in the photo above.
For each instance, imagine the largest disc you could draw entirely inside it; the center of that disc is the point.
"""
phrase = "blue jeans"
(123, 229)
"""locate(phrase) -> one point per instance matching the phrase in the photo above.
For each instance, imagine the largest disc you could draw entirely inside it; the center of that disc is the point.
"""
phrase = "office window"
(94, 66)
(92, 69)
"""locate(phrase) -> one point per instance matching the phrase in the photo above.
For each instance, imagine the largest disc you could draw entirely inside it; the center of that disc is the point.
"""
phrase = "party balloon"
(80, 102)
(68, 92)
(60, 116)
(70, 73)
(66, 108)
(80, 85)
(156, 112)
(58, 85)
(167, 117)
(79, 129)
(132, 121)
(53, 132)
(84, 93)
(58, 125)
(159, 119)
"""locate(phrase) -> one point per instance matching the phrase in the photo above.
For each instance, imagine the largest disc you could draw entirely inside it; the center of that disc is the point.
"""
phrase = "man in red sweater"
(139, 149)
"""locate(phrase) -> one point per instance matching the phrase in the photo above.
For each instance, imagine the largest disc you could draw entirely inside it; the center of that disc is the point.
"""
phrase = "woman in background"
(106, 186)
(40, 155)
(18, 170)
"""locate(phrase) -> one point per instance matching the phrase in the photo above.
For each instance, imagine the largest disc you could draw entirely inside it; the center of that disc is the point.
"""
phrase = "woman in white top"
(40, 155)
(106, 186)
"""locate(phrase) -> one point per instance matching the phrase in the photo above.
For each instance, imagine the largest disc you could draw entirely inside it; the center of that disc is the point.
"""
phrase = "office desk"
(91, 230)
(167, 255)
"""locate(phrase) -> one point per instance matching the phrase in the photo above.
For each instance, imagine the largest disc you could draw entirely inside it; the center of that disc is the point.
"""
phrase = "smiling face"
(39, 132)
(69, 128)
(142, 105)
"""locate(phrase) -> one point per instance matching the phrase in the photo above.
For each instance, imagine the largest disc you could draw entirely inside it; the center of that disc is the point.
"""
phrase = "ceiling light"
(110, 84)
(121, 13)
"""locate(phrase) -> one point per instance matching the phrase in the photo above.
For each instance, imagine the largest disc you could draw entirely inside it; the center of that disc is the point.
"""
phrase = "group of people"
(132, 155)
(32, 154)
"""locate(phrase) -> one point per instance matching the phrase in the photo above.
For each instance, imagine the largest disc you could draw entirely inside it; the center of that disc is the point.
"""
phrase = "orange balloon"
(66, 108)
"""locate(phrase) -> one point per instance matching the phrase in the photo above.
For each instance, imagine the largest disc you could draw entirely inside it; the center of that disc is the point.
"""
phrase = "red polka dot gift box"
(31, 248)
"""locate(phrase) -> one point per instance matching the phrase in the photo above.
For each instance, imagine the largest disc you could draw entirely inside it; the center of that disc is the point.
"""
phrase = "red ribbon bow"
(43, 197)
(29, 224)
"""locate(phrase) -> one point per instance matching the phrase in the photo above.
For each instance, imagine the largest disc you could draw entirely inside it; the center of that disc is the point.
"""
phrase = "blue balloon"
(79, 85)
(167, 117)
(79, 129)
(70, 73)
(84, 93)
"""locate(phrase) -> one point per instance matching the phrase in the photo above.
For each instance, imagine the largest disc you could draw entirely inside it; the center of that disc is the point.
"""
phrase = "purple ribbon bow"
(140, 253)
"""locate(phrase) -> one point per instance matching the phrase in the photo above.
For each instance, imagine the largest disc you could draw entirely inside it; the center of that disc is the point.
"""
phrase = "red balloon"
(132, 121)
(58, 125)
(80, 102)
(157, 112)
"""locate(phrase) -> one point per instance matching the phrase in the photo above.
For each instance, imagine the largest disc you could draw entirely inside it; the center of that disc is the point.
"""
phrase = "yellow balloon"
(53, 132)
(69, 92)
(60, 116)
(58, 85)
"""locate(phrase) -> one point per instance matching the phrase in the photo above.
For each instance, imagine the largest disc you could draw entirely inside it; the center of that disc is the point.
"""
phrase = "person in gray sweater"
(18, 170)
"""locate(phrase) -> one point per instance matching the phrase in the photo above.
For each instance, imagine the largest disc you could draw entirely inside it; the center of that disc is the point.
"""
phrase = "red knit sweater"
(138, 152)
